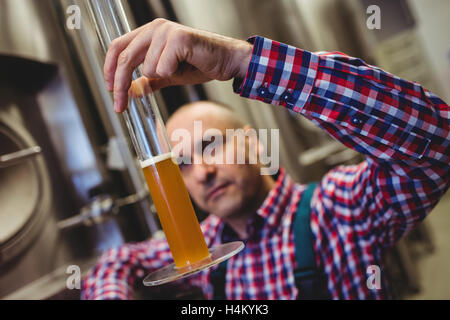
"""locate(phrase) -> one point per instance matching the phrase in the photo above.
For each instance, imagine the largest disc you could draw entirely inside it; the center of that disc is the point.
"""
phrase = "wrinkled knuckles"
(182, 40)
(148, 71)
(180, 35)
(124, 59)
(115, 45)
(163, 71)
(158, 21)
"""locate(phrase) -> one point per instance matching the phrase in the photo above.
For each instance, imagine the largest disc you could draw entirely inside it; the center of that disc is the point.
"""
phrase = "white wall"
(433, 26)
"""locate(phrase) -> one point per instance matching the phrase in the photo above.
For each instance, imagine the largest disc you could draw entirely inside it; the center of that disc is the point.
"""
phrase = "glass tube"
(149, 137)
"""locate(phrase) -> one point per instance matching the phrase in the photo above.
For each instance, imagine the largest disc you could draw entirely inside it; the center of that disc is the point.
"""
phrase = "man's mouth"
(217, 190)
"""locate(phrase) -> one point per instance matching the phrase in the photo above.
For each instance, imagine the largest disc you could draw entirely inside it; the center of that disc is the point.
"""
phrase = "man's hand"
(172, 54)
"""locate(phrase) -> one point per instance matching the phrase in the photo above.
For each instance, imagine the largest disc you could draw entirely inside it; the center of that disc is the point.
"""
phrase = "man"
(356, 211)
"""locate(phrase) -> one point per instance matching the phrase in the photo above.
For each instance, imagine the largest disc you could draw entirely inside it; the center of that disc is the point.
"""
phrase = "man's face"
(220, 189)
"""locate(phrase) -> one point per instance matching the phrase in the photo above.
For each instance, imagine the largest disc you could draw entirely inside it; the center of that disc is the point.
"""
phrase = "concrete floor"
(434, 269)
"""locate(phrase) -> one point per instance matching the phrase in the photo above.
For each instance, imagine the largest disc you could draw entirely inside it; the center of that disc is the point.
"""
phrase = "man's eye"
(183, 166)
(205, 144)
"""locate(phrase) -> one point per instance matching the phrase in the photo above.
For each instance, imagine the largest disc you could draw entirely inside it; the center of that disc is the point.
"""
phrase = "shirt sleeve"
(117, 271)
(401, 128)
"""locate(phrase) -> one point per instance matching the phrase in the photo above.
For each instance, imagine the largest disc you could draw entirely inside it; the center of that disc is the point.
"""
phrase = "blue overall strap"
(310, 281)
(217, 279)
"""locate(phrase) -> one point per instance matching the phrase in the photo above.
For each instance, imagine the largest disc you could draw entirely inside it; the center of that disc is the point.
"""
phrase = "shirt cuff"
(278, 74)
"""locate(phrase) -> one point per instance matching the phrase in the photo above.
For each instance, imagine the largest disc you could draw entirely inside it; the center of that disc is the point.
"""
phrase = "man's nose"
(204, 173)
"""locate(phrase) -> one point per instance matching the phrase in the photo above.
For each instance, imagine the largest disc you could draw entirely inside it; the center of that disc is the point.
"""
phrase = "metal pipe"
(13, 158)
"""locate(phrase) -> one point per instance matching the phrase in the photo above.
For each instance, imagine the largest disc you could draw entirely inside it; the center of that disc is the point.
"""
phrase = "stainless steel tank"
(69, 185)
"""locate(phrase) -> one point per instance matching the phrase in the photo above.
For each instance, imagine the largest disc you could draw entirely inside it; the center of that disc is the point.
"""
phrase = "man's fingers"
(120, 102)
(128, 60)
(140, 87)
(168, 61)
(159, 83)
(115, 49)
(122, 81)
(154, 52)
(144, 85)
(120, 44)
(167, 49)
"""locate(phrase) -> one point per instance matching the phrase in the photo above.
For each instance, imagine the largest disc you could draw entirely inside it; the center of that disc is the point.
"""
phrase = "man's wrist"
(242, 58)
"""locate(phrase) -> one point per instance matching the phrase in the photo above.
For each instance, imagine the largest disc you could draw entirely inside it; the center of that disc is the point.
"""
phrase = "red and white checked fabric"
(356, 212)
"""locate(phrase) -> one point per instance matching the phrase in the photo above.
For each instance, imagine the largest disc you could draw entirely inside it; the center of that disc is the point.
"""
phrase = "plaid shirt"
(356, 212)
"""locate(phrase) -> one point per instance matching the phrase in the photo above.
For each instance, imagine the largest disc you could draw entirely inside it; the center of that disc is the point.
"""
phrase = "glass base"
(172, 273)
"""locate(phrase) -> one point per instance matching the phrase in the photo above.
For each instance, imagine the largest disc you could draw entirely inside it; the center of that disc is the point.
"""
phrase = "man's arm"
(115, 274)
(402, 129)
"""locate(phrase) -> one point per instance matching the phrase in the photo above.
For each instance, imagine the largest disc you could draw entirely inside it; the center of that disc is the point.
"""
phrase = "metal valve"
(14, 158)
(103, 207)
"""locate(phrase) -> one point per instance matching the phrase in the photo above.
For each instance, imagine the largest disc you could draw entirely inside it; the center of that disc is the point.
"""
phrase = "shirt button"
(286, 97)
(263, 92)
(356, 120)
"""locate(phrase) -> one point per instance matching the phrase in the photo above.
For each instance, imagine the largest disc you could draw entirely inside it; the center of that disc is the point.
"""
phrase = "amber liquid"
(175, 211)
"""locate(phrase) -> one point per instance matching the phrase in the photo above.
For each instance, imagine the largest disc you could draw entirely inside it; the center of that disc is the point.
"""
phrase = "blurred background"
(70, 186)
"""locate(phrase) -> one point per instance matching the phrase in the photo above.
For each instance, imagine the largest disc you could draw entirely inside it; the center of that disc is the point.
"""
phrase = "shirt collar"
(277, 200)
